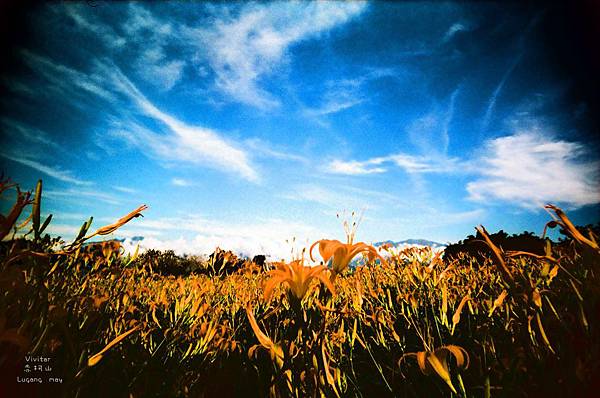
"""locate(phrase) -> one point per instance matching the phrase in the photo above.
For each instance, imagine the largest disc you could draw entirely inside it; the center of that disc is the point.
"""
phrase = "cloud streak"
(29, 133)
(353, 167)
(154, 35)
(78, 14)
(513, 64)
(339, 96)
(412, 164)
(75, 195)
(496, 93)
(454, 29)
(54, 172)
(265, 149)
(68, 81)
(431, 132)
(341, 196)
(180, 182)
(186, 143)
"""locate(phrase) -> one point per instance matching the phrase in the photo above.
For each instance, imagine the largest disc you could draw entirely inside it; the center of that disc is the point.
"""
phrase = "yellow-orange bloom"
(298, 277)
(342, 253)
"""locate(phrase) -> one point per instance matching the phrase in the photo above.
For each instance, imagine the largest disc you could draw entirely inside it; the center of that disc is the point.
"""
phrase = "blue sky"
(245, 125)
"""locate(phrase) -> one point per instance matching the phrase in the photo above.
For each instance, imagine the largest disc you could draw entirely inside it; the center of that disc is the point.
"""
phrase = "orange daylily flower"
(298, 277)
(341, 254)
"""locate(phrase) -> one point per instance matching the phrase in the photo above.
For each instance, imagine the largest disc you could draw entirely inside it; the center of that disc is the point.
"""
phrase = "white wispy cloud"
(425, 164)
(339, 96)
(51, 171)
(498, 90)
(343, 94)
(29, 133)
(409, 163)
(530, 169)
(156, 68)
(125, 189)
(431, 132)
(263, 148)
(75, 195)
(67, 81)
(239, 47)
(354, 167)
(141, 20)
(154, 34)
(244, 48)
(185, 143)
(511, 67)
(180, 182)
(84, 18)
(454, 29)
(335, 105)
(143, 34)
(19, 86)
(338, 196)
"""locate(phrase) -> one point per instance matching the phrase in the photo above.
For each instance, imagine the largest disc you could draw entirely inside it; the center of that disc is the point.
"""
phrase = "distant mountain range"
(412, 242)
(131, 243)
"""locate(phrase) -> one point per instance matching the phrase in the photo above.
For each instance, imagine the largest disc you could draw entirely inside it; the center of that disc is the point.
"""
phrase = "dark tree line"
(525, 241)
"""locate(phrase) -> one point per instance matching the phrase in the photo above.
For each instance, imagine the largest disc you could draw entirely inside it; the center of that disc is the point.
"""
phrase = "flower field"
(409, 323)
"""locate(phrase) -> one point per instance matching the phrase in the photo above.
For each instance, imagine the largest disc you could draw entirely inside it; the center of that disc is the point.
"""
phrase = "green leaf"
(35, 212)
(84, 228)
(45, 224)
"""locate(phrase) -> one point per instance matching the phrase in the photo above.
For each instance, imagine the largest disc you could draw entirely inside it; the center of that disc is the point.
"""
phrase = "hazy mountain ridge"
(412, 242)
(130, 244)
